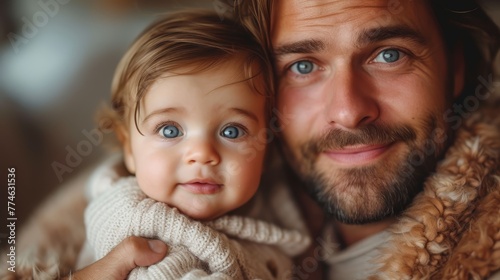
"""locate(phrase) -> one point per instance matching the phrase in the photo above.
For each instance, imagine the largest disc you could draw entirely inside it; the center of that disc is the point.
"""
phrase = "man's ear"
(458, 68)
(124, 138)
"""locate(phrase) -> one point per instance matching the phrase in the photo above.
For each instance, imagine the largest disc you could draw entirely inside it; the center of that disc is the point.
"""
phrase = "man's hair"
(462, 23)
(186, 42)
(467, 25)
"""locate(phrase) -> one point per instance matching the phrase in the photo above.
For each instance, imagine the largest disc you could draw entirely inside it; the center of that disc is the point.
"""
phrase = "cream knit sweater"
(230, 247)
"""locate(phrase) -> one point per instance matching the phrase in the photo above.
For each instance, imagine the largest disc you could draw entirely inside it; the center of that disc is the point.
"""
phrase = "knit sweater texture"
(229, 247)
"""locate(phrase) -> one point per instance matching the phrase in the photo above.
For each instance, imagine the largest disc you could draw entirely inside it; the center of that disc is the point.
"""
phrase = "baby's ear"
(124, 138)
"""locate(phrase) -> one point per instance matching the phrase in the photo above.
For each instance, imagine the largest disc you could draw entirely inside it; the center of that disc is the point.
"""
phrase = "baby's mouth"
(202, 186)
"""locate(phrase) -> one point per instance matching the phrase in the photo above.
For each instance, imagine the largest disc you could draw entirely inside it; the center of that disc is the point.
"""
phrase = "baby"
(190, 103)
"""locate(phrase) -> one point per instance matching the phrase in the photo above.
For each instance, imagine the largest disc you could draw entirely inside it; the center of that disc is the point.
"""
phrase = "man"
(375, 94)
(386, 119)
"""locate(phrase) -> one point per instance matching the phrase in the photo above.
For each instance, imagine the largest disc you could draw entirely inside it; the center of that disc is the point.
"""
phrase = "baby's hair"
(183, 43)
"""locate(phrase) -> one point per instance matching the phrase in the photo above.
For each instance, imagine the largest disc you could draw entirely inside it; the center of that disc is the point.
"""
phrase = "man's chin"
(362, 211)
(363, 196)
(361, 214)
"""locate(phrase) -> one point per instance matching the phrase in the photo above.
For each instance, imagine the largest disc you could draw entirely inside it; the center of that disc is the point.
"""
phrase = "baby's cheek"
(153, 182)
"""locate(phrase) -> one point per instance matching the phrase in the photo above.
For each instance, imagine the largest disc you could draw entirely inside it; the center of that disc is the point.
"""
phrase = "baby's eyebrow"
(246, 113)
(163, 111)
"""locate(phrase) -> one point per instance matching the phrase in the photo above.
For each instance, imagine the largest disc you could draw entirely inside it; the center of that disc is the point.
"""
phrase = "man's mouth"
(359, 154)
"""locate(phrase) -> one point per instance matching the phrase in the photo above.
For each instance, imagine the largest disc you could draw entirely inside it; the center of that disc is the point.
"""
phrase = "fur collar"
(452, 229)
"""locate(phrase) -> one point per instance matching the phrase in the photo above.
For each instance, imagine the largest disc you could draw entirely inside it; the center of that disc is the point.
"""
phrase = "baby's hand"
(130, 253)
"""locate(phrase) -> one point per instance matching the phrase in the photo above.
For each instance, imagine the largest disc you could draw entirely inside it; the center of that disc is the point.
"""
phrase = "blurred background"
(57, 59)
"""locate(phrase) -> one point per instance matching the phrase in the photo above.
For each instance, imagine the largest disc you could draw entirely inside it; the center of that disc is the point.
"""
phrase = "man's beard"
(370, 193)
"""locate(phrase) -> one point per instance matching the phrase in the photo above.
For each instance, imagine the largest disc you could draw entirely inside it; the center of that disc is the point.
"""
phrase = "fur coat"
(451, 231)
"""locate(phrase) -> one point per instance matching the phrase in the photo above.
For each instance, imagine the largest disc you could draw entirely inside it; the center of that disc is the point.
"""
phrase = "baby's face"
(204, 141)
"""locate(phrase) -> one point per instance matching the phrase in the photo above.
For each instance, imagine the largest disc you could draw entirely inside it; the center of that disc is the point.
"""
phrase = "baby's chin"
(200, 209)
(195, 206)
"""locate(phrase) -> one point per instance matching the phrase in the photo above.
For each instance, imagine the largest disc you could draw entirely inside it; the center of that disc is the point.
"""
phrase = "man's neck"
(351, 234)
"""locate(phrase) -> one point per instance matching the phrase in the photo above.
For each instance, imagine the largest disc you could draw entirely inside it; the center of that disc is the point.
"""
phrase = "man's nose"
(201, 150)
(350, 99)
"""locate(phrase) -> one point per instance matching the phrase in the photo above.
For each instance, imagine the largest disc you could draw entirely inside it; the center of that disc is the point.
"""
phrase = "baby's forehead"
(239, 66)
(234, 70)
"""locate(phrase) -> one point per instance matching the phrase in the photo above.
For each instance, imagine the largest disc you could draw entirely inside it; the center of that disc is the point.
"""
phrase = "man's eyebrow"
(304, 46)
(162, 111)
(378, 34)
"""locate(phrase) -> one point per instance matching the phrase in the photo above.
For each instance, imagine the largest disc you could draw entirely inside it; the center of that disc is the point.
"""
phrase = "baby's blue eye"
(388, 56)
(170, 131)
(303, 67)
(232, 132)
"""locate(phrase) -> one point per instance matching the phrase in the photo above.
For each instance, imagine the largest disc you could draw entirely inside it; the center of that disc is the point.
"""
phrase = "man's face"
(364, 84)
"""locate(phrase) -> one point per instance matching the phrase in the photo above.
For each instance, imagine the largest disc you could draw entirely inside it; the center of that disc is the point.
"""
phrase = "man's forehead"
(315, 17)
(304, 10)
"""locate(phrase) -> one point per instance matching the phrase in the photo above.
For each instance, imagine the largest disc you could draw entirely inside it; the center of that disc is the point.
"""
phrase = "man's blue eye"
(231, 132)
(388, 56)
(303, 67)
(170, 131)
